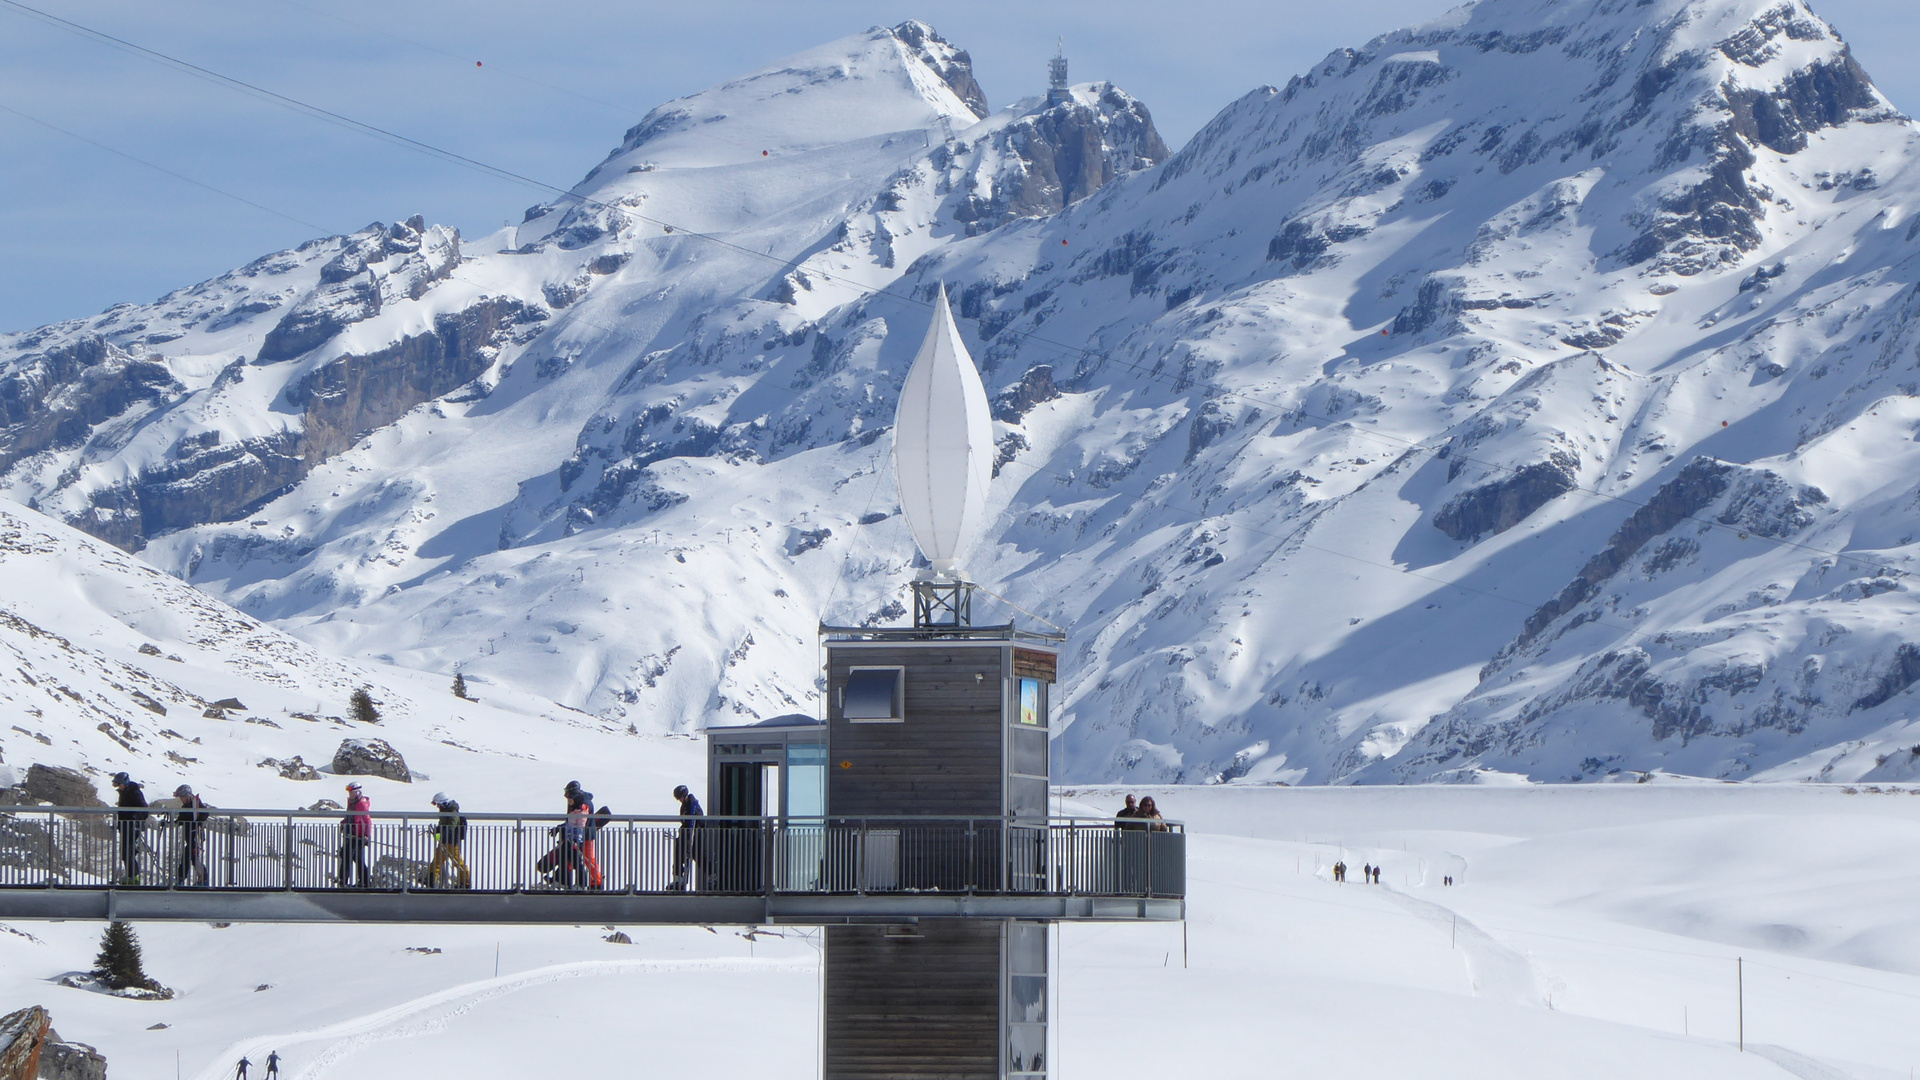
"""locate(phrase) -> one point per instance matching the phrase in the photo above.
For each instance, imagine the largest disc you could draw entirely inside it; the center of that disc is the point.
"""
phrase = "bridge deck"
(308, 866)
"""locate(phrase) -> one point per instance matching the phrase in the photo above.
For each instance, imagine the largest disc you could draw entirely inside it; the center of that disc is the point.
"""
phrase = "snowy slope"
(115, 666)
(1522, 392)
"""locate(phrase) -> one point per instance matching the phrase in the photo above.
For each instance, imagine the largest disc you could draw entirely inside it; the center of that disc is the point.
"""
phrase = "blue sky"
(82, 228)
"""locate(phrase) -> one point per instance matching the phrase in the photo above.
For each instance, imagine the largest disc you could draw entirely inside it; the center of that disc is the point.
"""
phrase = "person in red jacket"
(356, 834)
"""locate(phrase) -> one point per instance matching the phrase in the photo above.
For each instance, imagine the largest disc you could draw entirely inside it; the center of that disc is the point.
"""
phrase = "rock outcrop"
(371, 757)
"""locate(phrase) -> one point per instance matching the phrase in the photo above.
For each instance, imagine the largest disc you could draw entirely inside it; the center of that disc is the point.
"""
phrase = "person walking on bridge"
(356, 835)
(130, 821)
(685, 845)
(448, 834)
(580, 804)
(192, 818)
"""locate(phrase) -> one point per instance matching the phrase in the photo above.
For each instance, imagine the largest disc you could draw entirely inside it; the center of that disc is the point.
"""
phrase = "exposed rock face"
(53, 398)
(60, 786)
(1499, 506)
(354, 394)
(1698, 485)
(23, 1032)
(71, 1061)
(1048, 160)
(953, 65)
(378, 264)
(370, 757)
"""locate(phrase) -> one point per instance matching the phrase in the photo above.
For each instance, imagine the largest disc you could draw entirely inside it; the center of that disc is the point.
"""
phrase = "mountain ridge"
(1428, 314)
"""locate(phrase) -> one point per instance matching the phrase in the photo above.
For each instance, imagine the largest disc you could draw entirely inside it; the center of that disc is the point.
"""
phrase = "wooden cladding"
(912, 1001)
(1034, 664)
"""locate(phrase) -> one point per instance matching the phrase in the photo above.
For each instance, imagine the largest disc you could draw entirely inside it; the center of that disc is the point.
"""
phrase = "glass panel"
(1027, 1048)
(1027, 999)
(807, 790)
(871, 694)
(1030, 751)
(1033, 700)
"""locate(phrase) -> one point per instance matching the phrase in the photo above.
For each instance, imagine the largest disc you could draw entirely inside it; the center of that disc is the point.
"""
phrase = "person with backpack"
(192, 819)
(580, 808)
(273, 1065)
(130, 822)
(448, 834)
(685, 846)
(356, 835)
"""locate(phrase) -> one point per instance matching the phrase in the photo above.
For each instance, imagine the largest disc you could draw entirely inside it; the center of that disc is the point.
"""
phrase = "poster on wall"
(1030, 712)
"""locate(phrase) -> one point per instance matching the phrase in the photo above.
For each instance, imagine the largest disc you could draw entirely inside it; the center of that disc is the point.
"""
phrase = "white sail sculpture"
(943, 446)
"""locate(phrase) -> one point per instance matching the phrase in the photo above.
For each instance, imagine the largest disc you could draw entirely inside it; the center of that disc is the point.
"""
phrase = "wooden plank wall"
(913, 1008)
(947, 758)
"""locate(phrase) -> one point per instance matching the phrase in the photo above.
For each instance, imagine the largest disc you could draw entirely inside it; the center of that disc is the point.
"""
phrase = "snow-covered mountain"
(1530, 390)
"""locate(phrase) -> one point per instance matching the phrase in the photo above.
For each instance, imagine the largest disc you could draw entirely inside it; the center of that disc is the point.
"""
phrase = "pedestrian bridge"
(280, 866)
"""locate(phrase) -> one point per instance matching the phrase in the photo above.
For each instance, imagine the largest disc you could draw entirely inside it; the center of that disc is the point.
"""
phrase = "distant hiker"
(1376, 875)
(192, 818)
(1150, 812)
(130, 822)
(684, 846)
(356, 834)
(273, 1065)
(240, 1070)
(1340, 871)
(448, 834)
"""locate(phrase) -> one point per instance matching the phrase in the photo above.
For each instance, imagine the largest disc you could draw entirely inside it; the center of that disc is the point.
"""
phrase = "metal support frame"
(942, 603)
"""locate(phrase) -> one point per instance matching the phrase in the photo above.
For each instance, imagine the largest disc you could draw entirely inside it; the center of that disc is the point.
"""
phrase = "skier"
(449, 833)
(356, 833)
(685, 848)
(273, 1065)
(580, 804)
(192, 819)
(130, 822)
(240, 1070)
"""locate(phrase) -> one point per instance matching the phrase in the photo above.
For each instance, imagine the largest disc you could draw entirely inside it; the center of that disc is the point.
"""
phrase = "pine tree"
(360, 707)
(118, 965)
(459, 685)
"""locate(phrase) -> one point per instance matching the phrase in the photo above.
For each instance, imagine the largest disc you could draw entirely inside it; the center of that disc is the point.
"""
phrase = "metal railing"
(306, 850)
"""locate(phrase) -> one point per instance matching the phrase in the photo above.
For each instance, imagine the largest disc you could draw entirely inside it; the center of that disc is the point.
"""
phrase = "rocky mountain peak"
(953, 65)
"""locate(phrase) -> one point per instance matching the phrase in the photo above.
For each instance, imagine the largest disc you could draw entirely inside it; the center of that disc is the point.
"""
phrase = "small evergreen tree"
(118, 965)
(360, 707)
(459, 685)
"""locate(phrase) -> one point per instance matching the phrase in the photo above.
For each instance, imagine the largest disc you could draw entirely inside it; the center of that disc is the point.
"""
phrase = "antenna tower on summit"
(1057, 74)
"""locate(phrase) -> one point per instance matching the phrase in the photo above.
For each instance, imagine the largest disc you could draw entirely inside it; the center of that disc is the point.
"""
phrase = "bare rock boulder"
(61, 786)
(370, 757)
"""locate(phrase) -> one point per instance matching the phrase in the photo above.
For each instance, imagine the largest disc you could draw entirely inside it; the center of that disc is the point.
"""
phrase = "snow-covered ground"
(1591, 932)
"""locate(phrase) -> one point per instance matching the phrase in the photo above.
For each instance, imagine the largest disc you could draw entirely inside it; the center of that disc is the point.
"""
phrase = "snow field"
(1591, 932)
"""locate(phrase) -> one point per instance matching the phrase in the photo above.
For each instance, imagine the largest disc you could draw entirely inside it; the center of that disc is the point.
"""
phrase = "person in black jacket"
(130, 823)
(192, 818)
(685, 848)
(448, 834)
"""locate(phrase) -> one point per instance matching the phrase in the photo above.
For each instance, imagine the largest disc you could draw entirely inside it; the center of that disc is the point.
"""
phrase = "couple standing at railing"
(130, 825)
(1144, 812)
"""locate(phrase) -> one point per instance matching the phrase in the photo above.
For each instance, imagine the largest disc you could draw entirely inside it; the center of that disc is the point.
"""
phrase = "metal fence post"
(286, 855)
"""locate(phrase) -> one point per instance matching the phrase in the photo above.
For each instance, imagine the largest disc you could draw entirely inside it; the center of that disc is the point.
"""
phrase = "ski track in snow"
(1800, 1065)
(351, 1036)
(1494, 970)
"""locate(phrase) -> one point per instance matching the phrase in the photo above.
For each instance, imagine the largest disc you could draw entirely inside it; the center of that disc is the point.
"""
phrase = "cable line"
(162, 168)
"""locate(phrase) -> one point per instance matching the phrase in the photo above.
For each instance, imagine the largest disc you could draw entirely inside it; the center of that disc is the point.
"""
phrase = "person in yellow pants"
(448, 834)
